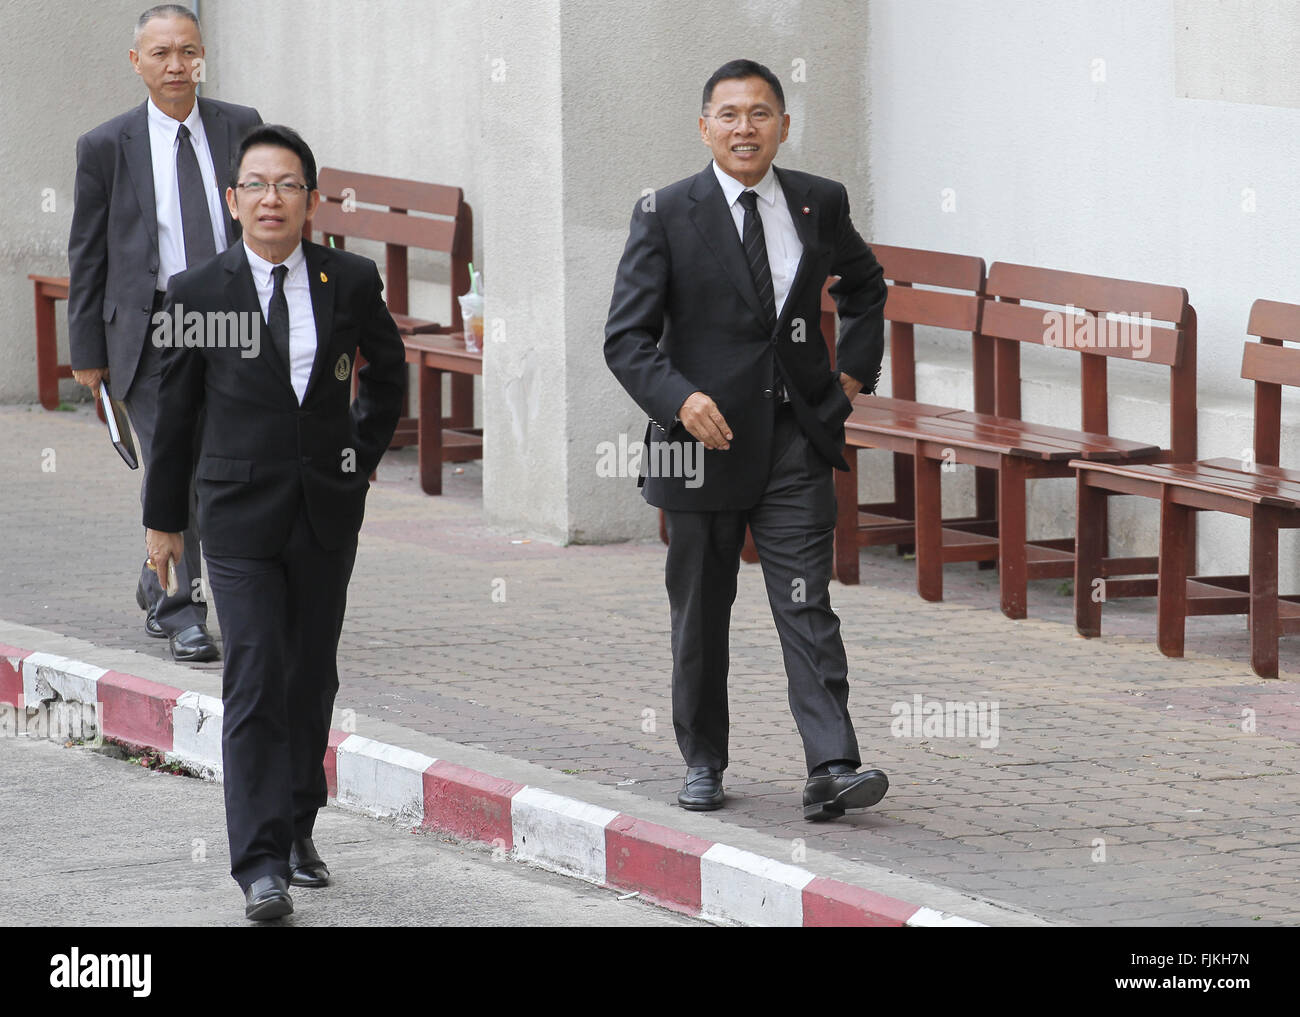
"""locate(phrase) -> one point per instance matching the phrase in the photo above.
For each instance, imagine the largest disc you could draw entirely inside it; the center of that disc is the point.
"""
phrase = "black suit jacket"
(685, 316)
(261, 455)
(113, 243)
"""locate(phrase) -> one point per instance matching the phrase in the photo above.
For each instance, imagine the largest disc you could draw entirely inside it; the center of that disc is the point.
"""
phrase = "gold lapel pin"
(324, 277)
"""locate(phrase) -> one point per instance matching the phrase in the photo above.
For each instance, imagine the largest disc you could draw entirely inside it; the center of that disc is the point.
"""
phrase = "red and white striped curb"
(668, 867)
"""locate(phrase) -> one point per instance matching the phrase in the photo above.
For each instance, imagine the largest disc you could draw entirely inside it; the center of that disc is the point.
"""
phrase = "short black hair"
(165, 11)
(281, 137)
(742, 69)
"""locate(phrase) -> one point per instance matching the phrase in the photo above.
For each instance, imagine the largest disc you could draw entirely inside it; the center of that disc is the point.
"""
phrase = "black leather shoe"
(266, 898)
(827, 796)
(151, 626)
(308, 868)
(702, 791)
(193, 645)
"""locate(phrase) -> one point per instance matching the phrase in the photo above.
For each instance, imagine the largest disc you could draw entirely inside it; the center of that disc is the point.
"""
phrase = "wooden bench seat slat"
(1066, 438)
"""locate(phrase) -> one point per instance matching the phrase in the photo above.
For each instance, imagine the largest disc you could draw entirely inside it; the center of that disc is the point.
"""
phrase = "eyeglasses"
(286, 189)
(729, 118)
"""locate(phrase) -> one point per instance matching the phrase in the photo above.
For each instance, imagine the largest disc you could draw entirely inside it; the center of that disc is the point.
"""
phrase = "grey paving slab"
(1183, 771)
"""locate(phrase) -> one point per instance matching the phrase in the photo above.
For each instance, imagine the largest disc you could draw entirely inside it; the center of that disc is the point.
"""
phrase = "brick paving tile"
(1096, 738)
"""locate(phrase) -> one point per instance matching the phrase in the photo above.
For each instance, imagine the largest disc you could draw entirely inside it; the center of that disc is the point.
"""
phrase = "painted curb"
(670, 868)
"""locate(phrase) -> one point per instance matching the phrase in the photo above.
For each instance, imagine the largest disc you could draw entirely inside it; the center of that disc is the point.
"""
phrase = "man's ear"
(785, 126)
(134, 57)
(313, 203)
(704, 130)
(230, 203)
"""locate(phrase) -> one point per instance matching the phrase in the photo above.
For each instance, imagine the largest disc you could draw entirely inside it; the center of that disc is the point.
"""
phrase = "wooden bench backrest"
(1072, 313)
(370, 207)
(905, 269)
(1270, 365)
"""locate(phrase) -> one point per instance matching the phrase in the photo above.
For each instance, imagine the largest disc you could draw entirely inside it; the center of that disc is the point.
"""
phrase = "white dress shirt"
(302, 320)
(784, 248)
(163, 139)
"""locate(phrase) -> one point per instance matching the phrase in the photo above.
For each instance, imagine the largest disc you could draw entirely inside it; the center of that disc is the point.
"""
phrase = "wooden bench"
(1257, 488)
(368, 207)
(1018, 450)
(956, 306)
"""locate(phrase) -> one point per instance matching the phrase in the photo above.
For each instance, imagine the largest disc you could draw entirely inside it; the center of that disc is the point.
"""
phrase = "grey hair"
(164, 11)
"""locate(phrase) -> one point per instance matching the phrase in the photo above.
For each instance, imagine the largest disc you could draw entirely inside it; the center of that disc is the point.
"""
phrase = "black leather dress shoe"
(702, 791)
(827, 796)
(193, 645)
(151, 626)
(308, 868)
(266, 898)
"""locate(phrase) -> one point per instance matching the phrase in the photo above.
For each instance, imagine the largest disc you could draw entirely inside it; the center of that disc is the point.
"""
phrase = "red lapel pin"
(807, 210)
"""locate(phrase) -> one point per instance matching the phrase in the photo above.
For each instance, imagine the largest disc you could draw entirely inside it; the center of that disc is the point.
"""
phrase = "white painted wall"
(1056, 159)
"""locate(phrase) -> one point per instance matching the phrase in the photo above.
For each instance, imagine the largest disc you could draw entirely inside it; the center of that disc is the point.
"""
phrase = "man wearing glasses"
(284, 457)
(148, 204)
(714, 330)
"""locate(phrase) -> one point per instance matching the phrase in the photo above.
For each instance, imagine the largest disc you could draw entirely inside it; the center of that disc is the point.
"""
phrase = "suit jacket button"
(767, 393)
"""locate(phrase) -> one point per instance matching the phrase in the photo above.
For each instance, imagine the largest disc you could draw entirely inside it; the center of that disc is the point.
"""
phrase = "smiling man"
(148, 204)
(284, 457)
(714, 331)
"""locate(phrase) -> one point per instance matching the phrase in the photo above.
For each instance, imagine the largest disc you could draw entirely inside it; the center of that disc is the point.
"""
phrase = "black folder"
(119, 428)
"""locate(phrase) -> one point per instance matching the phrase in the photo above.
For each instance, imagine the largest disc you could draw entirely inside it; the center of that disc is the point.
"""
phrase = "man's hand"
(705, 421)
(163, 548)
(851, 386)
(91, 377)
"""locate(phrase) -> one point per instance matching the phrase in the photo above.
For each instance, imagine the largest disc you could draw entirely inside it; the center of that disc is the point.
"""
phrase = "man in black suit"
(148, 204)
(284, 458)
(714, 331)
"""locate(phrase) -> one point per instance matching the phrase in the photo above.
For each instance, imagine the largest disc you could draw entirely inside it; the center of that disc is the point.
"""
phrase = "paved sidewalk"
(1123, 788)
(174, 868)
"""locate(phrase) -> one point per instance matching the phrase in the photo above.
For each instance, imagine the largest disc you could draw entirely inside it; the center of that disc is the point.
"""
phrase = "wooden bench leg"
(847, 568)
(1171, 589)
(904, 493)
(462, 401)
(929, 526)
(1089, 550)
(1013, 572)
(47, 352)
(1263, 591)
(986, 502)
(430, 430)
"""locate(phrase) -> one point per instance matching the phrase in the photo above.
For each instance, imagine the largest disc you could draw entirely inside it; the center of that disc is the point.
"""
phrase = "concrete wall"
(62, 72)
(1061, 137)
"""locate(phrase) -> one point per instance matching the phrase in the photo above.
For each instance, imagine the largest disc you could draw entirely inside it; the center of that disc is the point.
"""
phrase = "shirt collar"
(168, 124)
(262, 268)
(732, 188)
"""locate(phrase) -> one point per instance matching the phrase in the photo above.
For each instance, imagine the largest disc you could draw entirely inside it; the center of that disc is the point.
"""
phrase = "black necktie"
(278, 315)
(756, 254)
(196, 223)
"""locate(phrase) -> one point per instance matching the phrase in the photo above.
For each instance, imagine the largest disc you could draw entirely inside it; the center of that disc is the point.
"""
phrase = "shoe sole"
(702, 804)
(860, 796)
(276, 907)
(197, 658)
